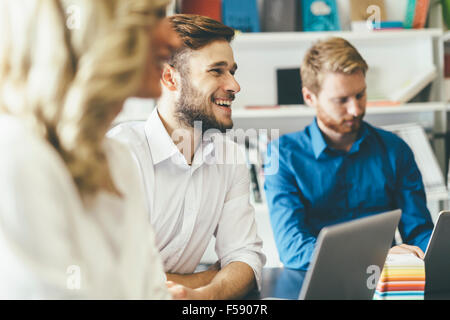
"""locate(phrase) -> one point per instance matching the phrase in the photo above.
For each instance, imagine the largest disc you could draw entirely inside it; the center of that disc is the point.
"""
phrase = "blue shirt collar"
(317, 140)
(319, 143)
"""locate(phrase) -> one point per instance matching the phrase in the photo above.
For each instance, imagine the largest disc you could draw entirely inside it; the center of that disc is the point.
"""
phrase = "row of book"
(402, 278)
(304, 15)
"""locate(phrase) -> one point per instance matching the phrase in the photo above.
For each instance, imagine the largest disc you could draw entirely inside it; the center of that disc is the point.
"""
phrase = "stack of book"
(402, 278)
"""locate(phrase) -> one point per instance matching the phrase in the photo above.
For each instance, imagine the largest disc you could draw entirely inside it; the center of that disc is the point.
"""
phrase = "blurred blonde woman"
(73, 222)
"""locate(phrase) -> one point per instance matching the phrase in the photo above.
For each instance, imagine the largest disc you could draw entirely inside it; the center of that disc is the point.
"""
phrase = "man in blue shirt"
(339, 167)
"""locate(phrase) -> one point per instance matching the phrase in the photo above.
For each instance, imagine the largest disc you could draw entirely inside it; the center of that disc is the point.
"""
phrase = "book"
(281, 15)
(241, 15)
(359, 9)
(320, 15)
(421, 14)
(402, 278)
(414, 85)
(209, 8)
(289, 86)
(387, 25)
(410, 12)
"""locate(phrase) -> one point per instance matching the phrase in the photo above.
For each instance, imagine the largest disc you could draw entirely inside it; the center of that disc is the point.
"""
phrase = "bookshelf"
(394, 57)
(305, 111)
(280, 38)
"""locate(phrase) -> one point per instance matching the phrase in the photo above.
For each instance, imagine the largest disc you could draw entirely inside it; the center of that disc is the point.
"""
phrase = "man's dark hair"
(196, 32)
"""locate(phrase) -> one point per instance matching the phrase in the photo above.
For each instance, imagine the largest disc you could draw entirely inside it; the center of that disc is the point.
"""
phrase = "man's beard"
(338, 126)
(192, 107)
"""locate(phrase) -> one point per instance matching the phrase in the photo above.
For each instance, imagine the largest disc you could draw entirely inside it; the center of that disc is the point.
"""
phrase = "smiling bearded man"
(193, 192)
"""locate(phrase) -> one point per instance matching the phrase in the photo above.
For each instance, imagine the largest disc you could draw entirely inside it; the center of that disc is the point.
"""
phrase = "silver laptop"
(437, 256)
(349, 258)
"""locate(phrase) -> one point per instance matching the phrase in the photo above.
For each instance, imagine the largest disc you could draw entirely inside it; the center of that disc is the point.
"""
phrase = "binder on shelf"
(241, 15)
(413, 86)
(289, 87)
(320, 15)
(209, 8)
(281, 16)
(414, 135)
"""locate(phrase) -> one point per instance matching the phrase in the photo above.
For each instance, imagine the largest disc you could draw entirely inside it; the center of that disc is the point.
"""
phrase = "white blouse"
(52, 247)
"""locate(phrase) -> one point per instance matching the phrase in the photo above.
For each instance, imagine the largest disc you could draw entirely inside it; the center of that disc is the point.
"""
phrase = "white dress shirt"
(189, 204)
(52, 247)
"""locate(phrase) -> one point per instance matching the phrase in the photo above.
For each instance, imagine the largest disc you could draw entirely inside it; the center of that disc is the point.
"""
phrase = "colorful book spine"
(320, 15)
(209, 8)
(410, 12)
(241, 15)
(402, 278)
(421, 13)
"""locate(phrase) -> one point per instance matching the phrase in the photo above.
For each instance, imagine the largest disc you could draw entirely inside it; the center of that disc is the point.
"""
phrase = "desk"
(286, 283)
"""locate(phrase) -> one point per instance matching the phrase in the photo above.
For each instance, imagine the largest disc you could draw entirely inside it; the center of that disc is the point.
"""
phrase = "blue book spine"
(241, 15)
(410, 11)
(388, 25)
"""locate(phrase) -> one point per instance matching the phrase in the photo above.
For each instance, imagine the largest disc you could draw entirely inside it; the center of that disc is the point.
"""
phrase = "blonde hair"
(69, 82)
(330, 55)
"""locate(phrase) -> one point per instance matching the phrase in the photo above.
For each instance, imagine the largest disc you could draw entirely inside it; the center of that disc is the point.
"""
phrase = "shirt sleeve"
(236, 233)
(415, 225)
(294, 241)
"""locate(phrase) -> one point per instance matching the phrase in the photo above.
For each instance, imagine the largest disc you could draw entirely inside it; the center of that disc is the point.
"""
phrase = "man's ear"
(169, 77)
(309, 97)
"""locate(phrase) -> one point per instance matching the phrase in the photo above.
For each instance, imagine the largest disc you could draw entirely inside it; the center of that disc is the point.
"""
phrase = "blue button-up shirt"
(315, 185)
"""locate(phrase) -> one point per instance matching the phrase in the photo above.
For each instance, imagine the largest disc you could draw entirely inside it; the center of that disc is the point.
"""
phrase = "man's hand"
(404, 248)
(180, 292)
(195, 280)
(232, 282)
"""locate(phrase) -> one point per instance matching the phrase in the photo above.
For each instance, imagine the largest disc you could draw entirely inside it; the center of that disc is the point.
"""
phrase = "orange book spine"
(421, 13)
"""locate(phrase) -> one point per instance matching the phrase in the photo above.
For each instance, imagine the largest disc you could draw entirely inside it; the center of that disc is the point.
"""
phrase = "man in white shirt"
(197, 182)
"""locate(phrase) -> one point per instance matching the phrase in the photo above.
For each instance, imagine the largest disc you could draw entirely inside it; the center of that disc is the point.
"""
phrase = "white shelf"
(446, 36)
(304, 111)
(438, 196)
(290, 37)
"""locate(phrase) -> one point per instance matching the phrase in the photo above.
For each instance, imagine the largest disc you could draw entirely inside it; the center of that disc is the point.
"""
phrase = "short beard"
(189, 110)
(338, 127)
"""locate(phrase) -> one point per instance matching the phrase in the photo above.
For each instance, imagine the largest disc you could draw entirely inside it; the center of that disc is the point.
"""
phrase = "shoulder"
(390, 140)
(128, 132)
(121, 160)
(295, 142)
(33, 173)
(27, 154)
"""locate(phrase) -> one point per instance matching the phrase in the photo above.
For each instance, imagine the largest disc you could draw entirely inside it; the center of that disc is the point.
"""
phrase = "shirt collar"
(162, 146)
(319, 143)
(317, 140)
(159, 141)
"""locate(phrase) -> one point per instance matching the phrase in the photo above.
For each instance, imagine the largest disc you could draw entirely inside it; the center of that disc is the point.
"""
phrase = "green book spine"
(410, 11)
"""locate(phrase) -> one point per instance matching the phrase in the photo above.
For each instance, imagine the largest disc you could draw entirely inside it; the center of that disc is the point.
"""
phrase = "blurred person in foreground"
(73, 222)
